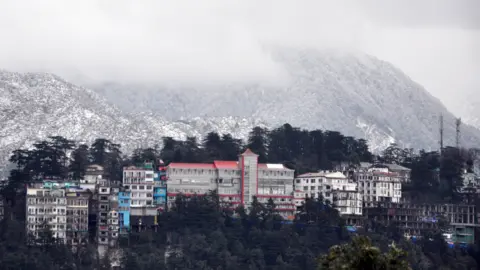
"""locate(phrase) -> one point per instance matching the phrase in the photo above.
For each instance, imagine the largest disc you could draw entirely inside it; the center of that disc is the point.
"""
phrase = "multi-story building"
(94, 175)
(103, 203)
(46, 207)
(63, 207)
(113, 222)
(471, 183)
(145, 192)
(139, 180)
(334, 187)
(402, 173)
(237, 182)
(77, 216)
(414, 219)
(124, 212)
(160, 189)
(378, 184)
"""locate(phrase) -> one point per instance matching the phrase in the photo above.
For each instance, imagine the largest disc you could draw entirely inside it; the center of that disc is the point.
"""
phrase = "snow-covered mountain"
(34, 106)
(356, 94)
(469, 108)
(353, 93)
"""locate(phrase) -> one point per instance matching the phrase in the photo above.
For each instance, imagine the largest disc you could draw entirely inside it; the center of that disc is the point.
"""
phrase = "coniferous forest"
(197, 233)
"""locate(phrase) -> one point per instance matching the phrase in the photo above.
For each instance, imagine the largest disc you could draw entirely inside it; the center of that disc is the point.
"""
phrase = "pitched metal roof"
(222, 164)
(335, 175)
(249, 152)
(191, 165)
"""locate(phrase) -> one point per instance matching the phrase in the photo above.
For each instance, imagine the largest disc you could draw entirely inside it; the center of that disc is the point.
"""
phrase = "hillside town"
(114, 207)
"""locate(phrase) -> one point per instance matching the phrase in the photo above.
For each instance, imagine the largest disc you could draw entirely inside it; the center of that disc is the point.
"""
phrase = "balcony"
(160, 184)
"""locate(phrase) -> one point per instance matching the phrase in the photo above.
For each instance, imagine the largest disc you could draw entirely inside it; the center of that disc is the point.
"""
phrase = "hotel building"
(237, 182)
(334, 187)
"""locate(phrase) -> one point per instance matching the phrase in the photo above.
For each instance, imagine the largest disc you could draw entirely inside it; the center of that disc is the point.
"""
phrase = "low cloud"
(151, 41)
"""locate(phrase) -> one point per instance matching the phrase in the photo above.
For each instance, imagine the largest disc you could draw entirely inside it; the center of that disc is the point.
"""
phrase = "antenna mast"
(458, 122)
(441, 133)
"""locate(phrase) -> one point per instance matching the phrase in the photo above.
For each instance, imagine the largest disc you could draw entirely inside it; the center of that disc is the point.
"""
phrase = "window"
(141, 187)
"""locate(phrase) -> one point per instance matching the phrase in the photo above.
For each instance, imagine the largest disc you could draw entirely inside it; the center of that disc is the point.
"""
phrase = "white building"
(237, 182)
(139, 180)
(471, 183)
(94, 175)
(403, 173)
(379, 184)
(46, 207)
(334, 187)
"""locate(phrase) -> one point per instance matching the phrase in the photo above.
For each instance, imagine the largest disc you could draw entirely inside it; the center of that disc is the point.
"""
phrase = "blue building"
(124, 201)
(160, 189)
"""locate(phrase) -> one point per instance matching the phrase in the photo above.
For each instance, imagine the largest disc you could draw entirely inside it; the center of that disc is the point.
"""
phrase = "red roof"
(249, 152)
(221, 164)
(191, 165)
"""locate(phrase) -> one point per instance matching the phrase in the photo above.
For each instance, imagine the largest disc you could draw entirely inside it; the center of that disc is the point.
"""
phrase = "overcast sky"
(435, 42)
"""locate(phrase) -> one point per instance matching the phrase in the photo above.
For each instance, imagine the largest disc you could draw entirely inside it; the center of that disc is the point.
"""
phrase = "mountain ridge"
(356, 94)
(34, 106)
(359, 96)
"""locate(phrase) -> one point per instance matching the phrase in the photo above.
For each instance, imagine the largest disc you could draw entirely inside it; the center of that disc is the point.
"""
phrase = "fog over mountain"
(34, 106)
(354, 93)
(314, 63)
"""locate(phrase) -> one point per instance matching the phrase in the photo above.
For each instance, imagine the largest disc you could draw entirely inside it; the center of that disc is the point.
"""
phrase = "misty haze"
(276, 101)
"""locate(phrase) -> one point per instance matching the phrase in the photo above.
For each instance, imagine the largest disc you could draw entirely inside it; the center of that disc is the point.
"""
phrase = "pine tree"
(79, 162)
(258, 143)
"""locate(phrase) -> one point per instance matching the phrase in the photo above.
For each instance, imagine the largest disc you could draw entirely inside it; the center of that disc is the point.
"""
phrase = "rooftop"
(224, 165)
(326, 174)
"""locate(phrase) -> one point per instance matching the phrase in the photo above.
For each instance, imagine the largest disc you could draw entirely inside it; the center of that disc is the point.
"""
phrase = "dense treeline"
(198, 234)
(436, 176)
(299, 149)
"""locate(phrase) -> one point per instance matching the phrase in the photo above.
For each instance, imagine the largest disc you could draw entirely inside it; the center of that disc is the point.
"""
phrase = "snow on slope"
(356, 94)
(34, 106)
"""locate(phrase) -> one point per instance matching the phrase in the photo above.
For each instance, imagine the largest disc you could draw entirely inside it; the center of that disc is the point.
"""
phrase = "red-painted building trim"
(256, 193)
(186, 194)
(275, 196)
(243, 180)
(229, 195)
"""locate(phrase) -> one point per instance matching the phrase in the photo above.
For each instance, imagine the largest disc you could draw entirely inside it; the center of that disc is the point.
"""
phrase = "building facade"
(378, 184)
(414, 219)
(144, 195)
(94, 175)
(237, 182)
(123, 212)
(334, 187)
(77, 216)
(46, 207)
